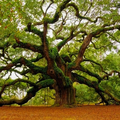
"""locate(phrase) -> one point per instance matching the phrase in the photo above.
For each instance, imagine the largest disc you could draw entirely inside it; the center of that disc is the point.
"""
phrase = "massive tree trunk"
(65, 96)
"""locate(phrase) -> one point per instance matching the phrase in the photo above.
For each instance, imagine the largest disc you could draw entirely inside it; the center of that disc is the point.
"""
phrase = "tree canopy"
(54, 43)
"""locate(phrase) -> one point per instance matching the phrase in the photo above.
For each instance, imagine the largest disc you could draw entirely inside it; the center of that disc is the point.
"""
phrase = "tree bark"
(65, 96)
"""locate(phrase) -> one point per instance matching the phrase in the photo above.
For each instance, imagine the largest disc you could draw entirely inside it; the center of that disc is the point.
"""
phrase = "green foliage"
(85, 95)
(21, 85)
(111, 62)
(112, 85)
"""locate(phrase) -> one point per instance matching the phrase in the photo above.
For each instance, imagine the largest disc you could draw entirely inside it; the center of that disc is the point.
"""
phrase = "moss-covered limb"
(83, 80)
(53, 53)
(55, 18)
(31, 28)
(14, 82)
(29, 46)
(60, 37)
(35, 69)
(23, 72)
(30, 93)
(46, 83)
(38, 23)
(104, 29)
(91, 73)
(80, 16)
(70, 37)
(72, 64)
(64, 41)
(22, 61)
(39, 56)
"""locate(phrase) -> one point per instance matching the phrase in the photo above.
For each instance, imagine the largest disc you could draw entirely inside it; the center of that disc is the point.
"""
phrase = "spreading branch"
(104, 29)
(29, 46)
(22, 61)
(55, 18)
(80, 16)
(96, 86)
(85, 44)
(111, 73)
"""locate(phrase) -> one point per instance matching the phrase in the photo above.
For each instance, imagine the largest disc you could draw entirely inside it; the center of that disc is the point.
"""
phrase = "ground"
(56, 113)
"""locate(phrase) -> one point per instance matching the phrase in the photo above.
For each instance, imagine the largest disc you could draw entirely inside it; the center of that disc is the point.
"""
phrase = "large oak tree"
(60, 42)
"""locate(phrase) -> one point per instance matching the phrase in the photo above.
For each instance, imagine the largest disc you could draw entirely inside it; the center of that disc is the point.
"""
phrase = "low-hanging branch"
(95, 85)
(14, 82)
(30, 93)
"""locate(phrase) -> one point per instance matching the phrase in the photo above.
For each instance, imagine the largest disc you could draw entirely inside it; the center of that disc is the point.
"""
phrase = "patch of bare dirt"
(56, 113)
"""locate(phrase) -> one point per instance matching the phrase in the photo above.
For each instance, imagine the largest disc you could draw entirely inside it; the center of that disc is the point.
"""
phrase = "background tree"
(51, 43)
